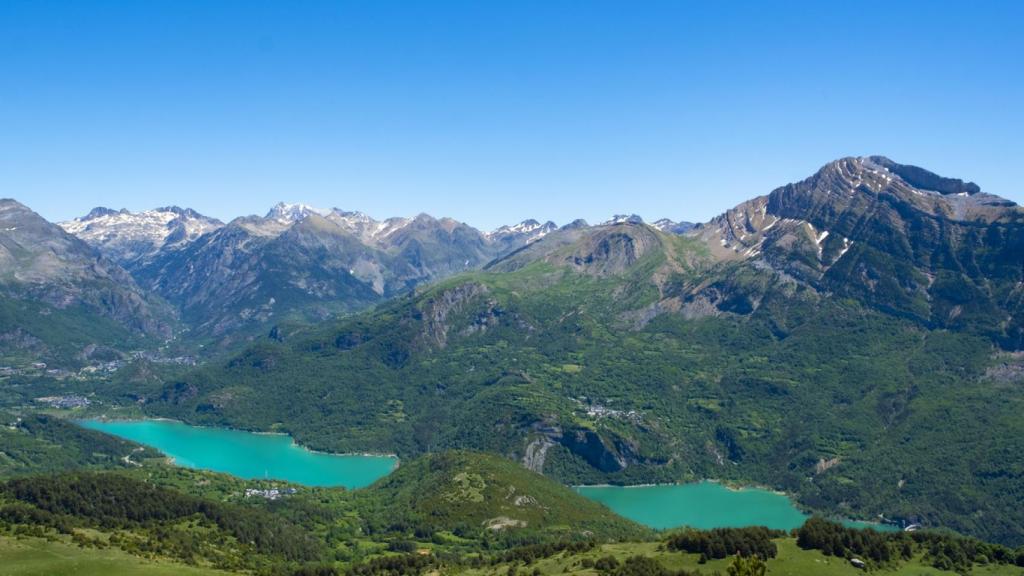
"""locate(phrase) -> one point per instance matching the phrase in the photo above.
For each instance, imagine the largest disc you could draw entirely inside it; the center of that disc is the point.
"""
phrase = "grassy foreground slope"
(42, 557)
(791, 561)
(39, 557)
(454, 505)
(449, 513)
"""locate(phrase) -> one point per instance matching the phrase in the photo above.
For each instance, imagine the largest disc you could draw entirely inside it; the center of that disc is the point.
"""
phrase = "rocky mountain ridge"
(131, 239)
(297, 259)
(900, 237)
(906, 239)
(126, 236)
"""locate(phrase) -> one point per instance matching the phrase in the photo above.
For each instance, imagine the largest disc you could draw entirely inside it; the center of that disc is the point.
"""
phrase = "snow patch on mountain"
(287, 213)
(127, 237)
(672, 227)
(365, 227)
(623, 218)
(664, 224)
(525, 232)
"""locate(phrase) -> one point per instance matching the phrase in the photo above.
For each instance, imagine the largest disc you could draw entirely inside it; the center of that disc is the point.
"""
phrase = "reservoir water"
(248, 454)
(703, 505)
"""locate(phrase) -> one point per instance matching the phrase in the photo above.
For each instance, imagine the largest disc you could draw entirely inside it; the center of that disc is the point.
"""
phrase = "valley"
(543, 288)
(852, 340)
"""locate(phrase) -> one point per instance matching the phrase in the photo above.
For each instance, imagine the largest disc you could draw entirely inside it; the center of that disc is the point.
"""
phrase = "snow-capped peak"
(671, 226)
(285, 213)
(664, 224)
(620, 218)
(531, 230)
(128, 236)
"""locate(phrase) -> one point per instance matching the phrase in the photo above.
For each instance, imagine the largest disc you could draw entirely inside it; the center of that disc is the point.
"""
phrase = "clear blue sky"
(492, 112)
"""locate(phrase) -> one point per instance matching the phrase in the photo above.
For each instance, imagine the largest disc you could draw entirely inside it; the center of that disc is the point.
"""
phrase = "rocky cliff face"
(613, 249)
(898, 237)
(433, 248)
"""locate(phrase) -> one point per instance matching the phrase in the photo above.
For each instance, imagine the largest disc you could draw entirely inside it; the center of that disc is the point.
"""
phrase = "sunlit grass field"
(39, 557)
(791, 561)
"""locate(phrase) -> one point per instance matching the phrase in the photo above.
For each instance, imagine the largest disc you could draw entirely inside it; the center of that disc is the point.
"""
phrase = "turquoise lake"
(704, 505)
(247, 454)
(250, 455)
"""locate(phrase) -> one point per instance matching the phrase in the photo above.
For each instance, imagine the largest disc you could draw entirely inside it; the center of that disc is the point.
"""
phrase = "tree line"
(116, 502)
(724, 542)
(941, 550)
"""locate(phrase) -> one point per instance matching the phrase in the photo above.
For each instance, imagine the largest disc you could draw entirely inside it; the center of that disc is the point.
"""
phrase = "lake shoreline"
(105, 418)
(247, 454)
(733, 488)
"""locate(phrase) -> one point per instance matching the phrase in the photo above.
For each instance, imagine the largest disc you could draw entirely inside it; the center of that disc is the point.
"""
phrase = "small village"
(39, 368)
(269, 493)
(65, 402)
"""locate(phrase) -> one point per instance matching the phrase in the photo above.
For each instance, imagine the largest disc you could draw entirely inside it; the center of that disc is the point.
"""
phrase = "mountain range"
(225, 282)
(854, 338)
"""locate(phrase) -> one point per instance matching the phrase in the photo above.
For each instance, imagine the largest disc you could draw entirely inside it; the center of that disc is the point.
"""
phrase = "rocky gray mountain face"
(56, 290)
(896, 237)
(299, 261)
(899, 237)
(296, 261)
(133, 239)
(673, 227)
(510, 238)
(255, 269)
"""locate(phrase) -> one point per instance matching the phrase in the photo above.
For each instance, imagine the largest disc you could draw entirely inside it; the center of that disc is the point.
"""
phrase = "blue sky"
(492, 112)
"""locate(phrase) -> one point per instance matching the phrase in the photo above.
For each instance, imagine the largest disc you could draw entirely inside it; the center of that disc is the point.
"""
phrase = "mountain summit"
(905, 239)
(287, 213)
(132, 239)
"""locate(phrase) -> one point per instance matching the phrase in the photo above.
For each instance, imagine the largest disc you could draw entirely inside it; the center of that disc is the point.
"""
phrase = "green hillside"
(28, 556)
(567, 359)
(110, 510)
(35, 332)
(38, 443)
(476, 495)
(448, 513)
(652, 559)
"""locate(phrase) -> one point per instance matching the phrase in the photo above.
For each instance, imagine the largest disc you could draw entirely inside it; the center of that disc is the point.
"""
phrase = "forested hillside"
(619, 353)
(161, 520)
(449, 513)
